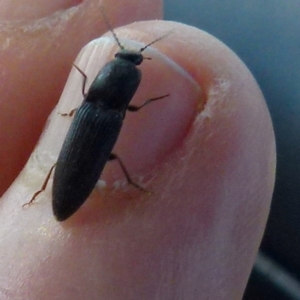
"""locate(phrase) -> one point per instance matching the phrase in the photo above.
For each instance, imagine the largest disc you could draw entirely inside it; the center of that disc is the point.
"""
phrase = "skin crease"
(195, 237)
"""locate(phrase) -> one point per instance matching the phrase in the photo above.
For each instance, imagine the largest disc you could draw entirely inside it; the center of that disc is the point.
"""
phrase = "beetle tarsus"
(128, 178)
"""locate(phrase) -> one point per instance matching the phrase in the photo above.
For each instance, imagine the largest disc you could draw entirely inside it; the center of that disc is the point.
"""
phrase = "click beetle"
(94, 131)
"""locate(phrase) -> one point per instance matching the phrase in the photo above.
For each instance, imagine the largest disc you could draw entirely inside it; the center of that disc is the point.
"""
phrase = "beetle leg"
(70, 114)
(136, 108)
(113, 156)
(42, 188)
(84, 79)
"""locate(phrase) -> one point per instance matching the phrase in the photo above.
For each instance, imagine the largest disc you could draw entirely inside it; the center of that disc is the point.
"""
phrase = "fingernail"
(31, 10)
(147, 136)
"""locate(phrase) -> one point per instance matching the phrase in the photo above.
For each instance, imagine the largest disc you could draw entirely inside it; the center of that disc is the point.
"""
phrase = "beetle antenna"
(156, 40)
(105, 19)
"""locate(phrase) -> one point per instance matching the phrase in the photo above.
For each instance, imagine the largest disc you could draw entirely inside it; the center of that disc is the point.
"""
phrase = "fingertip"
(222, 175)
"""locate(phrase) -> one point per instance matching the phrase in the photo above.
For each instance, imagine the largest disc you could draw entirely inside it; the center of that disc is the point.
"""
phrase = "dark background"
(266, 36)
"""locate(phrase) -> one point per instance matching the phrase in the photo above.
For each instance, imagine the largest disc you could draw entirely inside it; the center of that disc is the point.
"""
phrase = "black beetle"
(94, 131)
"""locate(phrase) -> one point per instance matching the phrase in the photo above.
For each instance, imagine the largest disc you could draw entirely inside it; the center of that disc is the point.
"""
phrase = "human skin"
(207, 153)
